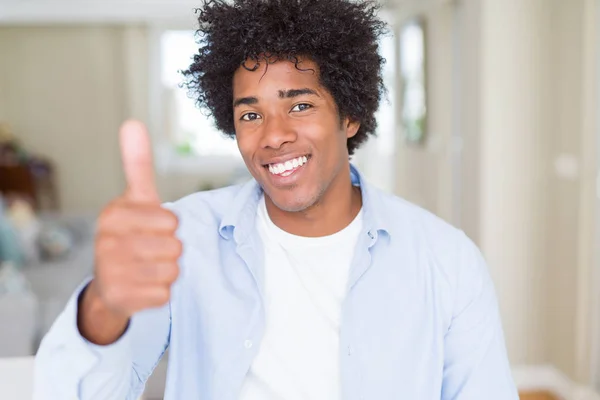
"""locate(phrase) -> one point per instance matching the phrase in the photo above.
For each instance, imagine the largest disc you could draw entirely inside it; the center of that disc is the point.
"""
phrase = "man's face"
(289, 132)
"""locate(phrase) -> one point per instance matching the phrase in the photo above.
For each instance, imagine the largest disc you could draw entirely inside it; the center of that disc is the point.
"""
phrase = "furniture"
(16, 378)
(54, 281)
(35, 182)
(18, 314)
(29, 316)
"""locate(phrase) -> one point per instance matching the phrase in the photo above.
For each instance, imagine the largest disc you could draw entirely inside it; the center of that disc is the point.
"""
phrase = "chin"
(292, 203)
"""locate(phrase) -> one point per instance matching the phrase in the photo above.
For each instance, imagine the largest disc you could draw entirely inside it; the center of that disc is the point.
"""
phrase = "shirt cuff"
(81, 355)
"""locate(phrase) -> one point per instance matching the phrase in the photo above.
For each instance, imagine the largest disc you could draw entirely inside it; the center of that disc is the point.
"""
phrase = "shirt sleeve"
(476, 364)
(68, 367)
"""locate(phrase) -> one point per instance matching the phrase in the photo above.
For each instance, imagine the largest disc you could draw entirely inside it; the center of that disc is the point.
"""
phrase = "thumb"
(136, 154)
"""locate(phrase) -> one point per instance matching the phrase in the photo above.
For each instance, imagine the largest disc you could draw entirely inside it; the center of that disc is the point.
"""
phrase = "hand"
(136, 249)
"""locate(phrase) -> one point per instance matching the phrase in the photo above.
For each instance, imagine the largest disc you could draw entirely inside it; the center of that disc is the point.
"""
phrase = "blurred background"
(490, 122)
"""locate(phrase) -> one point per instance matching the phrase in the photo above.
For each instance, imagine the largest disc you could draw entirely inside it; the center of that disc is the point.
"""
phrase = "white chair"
(16, 378)
(18, 325)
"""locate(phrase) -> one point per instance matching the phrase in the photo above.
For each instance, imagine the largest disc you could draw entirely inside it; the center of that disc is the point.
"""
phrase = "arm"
(70, 367)
(115, 329)
(476, 364)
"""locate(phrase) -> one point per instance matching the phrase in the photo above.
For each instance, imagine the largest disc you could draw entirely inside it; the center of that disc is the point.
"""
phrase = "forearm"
(68, 366)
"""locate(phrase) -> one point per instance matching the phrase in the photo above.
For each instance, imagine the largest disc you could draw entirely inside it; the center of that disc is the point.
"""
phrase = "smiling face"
(290, 134)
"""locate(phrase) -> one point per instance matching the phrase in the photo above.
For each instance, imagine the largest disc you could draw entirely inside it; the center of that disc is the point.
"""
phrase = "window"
(377, 157)
(190, 138)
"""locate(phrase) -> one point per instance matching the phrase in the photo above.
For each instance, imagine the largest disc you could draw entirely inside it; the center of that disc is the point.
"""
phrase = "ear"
(351, 127)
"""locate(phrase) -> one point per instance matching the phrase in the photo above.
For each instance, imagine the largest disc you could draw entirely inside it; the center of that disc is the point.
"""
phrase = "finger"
(123, 218)
(136, 154)
(151, 296)
(139, 298)
(145, 248)
(158, 273)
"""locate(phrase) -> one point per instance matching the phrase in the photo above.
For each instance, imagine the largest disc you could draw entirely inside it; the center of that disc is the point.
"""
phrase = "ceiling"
(106, 11)
(95, 11)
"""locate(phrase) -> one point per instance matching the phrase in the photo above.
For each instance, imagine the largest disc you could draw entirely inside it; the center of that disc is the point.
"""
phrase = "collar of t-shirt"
(294, 242)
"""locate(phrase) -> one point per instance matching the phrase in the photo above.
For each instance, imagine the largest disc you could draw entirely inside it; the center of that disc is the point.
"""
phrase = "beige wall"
(474, 48)
(63, 97)
(427, 173)
(564, 59)
(511, 152)
(65, 90)
(522, 90)
(2, 88)
(424, 171)
(570, 216)
(469, 117)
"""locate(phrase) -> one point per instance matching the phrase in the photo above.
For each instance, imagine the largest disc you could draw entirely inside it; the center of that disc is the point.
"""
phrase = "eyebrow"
(245, 100)
(288, 94)
(283, 94)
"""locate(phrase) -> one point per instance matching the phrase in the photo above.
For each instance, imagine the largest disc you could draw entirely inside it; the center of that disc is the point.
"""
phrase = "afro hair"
(340, 36)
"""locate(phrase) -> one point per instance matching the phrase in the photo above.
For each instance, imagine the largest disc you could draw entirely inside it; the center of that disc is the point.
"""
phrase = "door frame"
(593, 34)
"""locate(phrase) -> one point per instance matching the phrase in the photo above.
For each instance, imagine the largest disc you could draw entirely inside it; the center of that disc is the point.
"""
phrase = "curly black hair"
(340, 36)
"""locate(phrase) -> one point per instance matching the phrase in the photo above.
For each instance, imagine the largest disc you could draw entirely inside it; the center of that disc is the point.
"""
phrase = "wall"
(442, 174)
(63, 97)
(424, 171)
(525, 178)
(481, 94)
(468, 105)
(2, 88)
(512, 151)
(66, 89)
(564, 140)
(571, 207)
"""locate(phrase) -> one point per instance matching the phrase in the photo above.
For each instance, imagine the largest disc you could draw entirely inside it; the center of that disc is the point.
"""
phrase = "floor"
(522, 396)
(538, 396)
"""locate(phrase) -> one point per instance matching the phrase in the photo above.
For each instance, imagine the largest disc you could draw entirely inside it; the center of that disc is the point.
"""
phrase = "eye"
(250, 117)
(301, 107)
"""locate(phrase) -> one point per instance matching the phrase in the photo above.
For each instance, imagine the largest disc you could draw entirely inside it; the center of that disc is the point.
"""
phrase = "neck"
(334, 211)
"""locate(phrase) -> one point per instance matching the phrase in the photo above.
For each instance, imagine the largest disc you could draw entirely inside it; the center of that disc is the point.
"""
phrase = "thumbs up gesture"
(136, 250)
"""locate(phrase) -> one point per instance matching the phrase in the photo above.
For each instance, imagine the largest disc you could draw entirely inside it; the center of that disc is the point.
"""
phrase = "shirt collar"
(239, 221)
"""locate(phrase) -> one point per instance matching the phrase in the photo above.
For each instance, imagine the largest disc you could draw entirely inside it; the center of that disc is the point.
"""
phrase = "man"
(305, 283)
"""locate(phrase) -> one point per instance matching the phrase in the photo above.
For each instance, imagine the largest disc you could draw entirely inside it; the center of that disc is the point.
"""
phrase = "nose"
(276, 132)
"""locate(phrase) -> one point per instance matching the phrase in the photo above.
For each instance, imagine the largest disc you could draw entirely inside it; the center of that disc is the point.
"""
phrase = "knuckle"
(163, 296)
(109, 215)
(171, 220)
(172, 272)
(177, 247)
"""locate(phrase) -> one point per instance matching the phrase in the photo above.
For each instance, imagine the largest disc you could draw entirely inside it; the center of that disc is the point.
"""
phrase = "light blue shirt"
(420, 320)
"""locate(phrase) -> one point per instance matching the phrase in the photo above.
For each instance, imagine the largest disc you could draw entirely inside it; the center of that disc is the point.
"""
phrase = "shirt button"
(350, 350)
(248, 344)
(371, 235)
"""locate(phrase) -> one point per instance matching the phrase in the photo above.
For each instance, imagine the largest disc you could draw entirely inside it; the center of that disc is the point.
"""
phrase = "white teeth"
(284, 168)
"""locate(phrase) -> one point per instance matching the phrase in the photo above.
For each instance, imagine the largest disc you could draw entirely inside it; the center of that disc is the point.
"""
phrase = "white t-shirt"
(305, 285)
